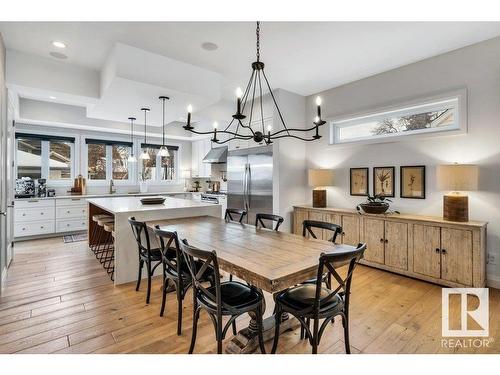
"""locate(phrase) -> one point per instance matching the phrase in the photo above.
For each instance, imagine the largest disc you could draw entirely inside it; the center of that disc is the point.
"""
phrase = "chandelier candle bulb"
(318, 103)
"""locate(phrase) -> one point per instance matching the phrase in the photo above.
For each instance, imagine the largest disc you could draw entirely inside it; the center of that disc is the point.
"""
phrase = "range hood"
(216, 155)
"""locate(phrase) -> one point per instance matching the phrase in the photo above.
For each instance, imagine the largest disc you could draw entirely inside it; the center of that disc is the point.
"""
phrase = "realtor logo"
(462, 315)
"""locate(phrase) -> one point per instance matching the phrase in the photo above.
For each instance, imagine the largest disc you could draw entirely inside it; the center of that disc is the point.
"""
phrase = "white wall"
(3, 187)
(475, 68)
(289, 157)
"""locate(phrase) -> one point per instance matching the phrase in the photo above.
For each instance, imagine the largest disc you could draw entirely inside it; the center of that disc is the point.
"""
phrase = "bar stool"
(96, 231)
(108, 257)
(103, 237)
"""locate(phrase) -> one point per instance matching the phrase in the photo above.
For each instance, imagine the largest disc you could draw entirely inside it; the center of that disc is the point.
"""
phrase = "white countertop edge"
(108, 195)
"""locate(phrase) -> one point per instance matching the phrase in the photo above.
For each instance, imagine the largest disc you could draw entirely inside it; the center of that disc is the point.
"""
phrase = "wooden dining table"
(269, 260)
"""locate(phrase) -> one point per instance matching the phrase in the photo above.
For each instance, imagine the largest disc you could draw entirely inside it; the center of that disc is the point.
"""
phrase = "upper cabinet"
(199, 150)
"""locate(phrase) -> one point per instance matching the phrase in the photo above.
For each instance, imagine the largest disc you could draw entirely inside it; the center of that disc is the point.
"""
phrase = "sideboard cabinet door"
(373, 235)
(396, 244)
(427, 250)
(298, 218)
(456, 255)
(350, 227)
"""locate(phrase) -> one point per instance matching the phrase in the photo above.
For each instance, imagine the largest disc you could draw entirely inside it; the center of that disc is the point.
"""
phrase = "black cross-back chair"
(270, 217)
(314, 302)
(176, 270)
(148, 255)
(228, 216)
(229, 298)
(308, 225)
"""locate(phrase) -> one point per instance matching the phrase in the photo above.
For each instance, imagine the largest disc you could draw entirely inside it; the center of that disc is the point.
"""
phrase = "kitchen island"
(126, 260)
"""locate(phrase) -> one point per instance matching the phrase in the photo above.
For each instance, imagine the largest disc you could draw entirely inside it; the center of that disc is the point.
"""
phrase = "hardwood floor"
(58, 299)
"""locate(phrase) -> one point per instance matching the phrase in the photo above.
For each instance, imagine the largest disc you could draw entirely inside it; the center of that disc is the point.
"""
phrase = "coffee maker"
(42, 187)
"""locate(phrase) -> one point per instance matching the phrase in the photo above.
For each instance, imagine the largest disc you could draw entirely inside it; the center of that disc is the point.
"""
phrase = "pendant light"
(145, 155)
(164, 149)
(131, 157)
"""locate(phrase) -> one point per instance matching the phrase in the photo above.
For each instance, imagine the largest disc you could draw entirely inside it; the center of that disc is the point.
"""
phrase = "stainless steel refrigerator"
(250, 181)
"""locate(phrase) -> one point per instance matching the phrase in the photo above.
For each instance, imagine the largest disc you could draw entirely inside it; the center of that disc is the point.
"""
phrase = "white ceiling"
(302, 57)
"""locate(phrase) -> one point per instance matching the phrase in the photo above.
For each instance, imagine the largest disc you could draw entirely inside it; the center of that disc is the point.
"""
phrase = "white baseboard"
(493, 282)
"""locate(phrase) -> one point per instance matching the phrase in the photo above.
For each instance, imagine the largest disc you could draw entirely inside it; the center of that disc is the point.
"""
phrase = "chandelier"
(255, 128)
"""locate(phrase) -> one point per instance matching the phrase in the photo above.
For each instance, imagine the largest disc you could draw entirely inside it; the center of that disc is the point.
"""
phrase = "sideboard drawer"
(65, 202)
(68, 212)
(36, 213)
(33, 228)
(70, 225)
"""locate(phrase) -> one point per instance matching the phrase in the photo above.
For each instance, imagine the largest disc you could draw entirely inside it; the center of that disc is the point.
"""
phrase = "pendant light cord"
(257, 32)
(163, 125)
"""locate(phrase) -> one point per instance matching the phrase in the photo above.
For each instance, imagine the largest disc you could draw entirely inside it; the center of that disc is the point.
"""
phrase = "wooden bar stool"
(108, 255)
(96, 231)
(103, 237)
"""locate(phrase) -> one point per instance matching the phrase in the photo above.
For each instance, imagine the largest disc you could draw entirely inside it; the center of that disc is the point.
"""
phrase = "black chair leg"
(196, 315)
(230, 277)
(235, 332)
(277, 318)
(148, 295)
(179, 309)
(315, 337)
(164, 295)
(345, 323)
(219, 336)
(141, 264)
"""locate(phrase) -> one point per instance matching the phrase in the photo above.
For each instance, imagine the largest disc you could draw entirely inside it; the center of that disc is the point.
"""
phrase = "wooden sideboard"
(424, 247)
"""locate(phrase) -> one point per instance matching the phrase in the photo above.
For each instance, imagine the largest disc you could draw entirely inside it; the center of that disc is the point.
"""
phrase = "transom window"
(44, 156)
(436, 116)
(108, 160)
(157, 167)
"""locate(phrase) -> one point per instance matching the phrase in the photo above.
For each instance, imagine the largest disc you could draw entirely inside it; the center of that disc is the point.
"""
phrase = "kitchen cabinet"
(424, 247)
(34, 217)
(199, 149)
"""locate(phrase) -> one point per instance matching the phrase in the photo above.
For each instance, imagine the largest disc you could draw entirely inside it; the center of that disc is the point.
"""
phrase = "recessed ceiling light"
(59, 44)
(209, 46)
(58, 55)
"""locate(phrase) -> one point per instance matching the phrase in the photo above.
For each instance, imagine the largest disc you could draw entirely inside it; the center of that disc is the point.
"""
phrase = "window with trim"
(108, 160)
(44, 156)
(436, 116)
(157, 167)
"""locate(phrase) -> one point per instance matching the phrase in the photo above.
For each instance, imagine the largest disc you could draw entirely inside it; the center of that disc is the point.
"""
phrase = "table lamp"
(318, 179)
(457, 179)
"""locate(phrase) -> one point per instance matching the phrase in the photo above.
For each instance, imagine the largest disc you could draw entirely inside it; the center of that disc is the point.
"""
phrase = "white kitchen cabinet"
(33, 228)
(34, 217)
(199, 150)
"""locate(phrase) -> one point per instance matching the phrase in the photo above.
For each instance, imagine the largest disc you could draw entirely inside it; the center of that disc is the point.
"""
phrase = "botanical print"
(383, 181)
(359, 181)
(413, 182)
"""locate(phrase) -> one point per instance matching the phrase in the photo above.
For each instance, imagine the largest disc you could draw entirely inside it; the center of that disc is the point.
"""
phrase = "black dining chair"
(228, 216)
(314, 302)
(308, 225)
(259, 220)
(229, 298)
(175, 270)
(147, 255)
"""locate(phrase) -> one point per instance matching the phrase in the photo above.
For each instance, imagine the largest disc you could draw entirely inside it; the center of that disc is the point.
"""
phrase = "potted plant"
(377, 204)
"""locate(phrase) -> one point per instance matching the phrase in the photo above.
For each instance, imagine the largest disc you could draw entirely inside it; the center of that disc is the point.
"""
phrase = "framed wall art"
(412, 182)
(383, 181)
(358, 181)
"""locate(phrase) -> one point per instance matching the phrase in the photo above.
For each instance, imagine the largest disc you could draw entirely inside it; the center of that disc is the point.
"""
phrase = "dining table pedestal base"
(247, 340)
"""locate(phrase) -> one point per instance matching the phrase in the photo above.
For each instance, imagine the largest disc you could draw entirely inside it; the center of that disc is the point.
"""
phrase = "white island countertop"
(129, 204)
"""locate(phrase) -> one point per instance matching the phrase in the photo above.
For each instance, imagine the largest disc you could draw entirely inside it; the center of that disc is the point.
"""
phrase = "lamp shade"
(457, 177)
(321, 177)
